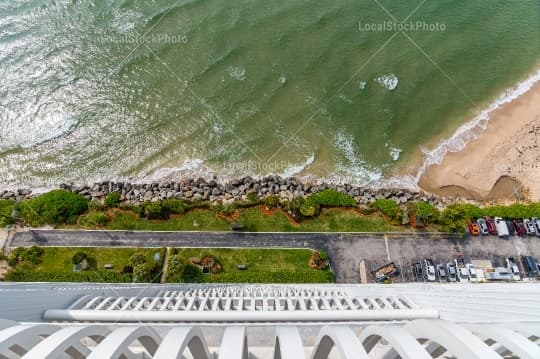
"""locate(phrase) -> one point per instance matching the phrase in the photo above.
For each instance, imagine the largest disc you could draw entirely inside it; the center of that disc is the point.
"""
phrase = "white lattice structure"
(419, 339)
(243, 304)
(252, 321)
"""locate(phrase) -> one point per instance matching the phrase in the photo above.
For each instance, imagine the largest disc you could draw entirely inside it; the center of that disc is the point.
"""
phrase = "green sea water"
(329, 89)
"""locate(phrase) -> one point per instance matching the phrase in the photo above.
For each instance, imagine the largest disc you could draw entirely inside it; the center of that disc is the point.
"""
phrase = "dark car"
(530, 266)
(520, 227)
(417, 271)
(490, 223)
(511, 228)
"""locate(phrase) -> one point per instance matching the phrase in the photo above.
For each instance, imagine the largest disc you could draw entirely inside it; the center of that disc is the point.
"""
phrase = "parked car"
(520, 227)
(511, 228)
(473, 275)
(536, 223)
(452, 273)
(529, 226)
(530, 265)
(441, 272)
(418, 273)
(513, 268)
(482, 225)
(385, 272)
(429, 270)
(473, 228)
(502, 229)
(462, 271)
(490, 223)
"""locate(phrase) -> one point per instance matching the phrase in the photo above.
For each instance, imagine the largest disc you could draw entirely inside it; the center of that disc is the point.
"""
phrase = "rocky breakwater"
(235, 190)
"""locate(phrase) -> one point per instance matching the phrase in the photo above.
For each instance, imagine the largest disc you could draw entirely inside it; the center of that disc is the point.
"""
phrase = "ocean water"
(343, 91)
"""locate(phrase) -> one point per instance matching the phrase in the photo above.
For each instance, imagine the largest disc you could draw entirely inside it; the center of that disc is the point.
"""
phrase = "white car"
(429, 270)
(530, 227)
(462, 271)
(513, 268)
(502, 228)
(452, 273)
(473, 276)
(536, 223)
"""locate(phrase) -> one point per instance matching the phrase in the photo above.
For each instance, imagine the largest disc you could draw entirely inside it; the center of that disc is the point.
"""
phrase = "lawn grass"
(58, 259)
(264, 265)
(195, 220)
(330, 220)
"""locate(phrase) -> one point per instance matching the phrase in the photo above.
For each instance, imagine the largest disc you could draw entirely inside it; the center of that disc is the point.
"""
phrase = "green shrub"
(143, 273)
(112, 199)
(6, 212)
(136, 259)
(454, 218)
(175, 267)
(192, 274)
(78, 257)
(30, 255)
(253, 198)
(174, 205)
(309, 208)
(389, 207)
(58, 206)
(425, 211)
(154, 210)
(94, 219)
(333, 198)
(226, 209)
(271, 201)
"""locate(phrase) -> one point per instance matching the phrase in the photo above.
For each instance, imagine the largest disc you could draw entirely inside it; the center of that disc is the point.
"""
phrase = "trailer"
(385, 272)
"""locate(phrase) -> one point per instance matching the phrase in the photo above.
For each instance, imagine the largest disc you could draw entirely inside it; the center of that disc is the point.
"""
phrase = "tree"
(192, 274)
(142, 273)
(136, 259)
(58, 206)
(175, 264)
(78, 257)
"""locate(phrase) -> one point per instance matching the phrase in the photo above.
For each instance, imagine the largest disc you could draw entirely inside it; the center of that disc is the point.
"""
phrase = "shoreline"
(502, 162)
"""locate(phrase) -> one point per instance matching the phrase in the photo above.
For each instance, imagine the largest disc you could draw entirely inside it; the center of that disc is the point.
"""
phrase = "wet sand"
(503, 163)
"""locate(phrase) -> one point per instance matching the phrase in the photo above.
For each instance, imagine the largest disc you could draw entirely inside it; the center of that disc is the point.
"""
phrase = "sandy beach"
(503, 163)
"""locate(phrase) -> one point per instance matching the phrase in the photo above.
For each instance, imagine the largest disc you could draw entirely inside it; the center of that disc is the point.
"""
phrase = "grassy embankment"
(55, 264)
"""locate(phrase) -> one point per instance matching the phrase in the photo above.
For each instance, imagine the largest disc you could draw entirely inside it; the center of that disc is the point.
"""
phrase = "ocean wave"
(473, 129)
(297, 169)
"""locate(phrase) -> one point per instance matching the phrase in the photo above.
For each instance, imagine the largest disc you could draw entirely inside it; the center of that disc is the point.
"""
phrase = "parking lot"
(348, 252)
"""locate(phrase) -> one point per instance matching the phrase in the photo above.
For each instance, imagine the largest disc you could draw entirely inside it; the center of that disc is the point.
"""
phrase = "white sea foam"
(389, 82)
(237, 73)
(474, 128)
(296, 169)
(393, 151)
(354, 169)
(189, 168)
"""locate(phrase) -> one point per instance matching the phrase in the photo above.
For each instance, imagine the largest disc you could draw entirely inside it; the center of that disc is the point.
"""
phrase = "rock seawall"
(213, 191)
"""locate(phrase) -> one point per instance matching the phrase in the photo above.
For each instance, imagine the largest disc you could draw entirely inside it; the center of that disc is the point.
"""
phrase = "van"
(530, 265)
(502, 229)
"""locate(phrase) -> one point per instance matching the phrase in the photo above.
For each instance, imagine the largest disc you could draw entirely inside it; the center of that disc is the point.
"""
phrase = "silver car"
(482, 226)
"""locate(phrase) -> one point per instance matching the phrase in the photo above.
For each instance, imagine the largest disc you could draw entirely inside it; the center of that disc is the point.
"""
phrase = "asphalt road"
(346, 250)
